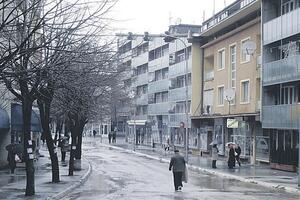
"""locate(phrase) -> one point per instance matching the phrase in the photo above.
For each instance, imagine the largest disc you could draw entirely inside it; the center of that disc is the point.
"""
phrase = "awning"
(17, 119)
(4, 119)
(137, 122)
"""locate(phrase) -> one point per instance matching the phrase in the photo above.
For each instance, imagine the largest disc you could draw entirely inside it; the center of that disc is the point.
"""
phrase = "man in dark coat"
(11, 157)
(178, 164)
(238, 152)
(231, 157)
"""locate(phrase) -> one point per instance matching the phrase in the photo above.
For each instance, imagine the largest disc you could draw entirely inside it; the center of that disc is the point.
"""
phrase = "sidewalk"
(12, 186)
(260, 174)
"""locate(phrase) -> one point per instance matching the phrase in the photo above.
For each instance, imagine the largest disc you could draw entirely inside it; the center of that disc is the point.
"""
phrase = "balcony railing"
(179, 69)
(141, 79)
(142, 99)
(281, 71)
(159, 108)
(158, 86)
(282, 27)
(178, 94)
(281, 116)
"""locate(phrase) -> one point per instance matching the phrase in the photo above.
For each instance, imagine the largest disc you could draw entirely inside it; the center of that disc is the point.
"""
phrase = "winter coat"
(214, 154)
(177, 163)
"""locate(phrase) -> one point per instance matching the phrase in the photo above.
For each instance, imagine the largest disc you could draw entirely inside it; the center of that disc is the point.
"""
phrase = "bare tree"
(35, 35)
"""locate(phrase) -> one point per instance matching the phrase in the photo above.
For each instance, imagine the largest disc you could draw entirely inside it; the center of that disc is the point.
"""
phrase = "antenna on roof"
(203, 16)
(224, 3)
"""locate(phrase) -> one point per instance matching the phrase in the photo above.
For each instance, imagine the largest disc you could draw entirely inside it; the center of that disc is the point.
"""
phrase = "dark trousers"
(177, 179)
(63, 156)
(238, 160)
(214, 164)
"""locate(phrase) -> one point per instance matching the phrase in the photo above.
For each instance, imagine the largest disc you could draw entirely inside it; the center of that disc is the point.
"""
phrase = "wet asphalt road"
(121, 175)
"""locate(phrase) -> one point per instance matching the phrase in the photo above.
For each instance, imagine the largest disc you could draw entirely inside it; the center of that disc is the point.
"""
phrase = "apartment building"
(281, 80)
(226, 80)
(158, 79)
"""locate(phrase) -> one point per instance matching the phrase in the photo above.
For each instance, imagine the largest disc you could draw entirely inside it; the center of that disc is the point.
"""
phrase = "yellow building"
(226, 80)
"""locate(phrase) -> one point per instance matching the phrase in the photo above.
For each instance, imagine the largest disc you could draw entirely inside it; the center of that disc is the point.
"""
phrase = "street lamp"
(169, 38)
(132, 97)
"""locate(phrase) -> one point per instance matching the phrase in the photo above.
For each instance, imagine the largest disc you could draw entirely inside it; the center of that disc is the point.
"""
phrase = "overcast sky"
(155, 16)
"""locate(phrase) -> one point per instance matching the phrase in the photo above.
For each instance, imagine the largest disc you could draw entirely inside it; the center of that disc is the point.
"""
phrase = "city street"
(118, 174)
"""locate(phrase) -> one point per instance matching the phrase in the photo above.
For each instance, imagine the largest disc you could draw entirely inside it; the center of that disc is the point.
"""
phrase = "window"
(245, 91)
(233, 66)
(221, 95)
(158, 98)
(164, 96)
(142, 69)
(288, 6)
(165, 73)
(180, 106)
(245, 56)
(140, 90)
(221, 59)
(180, 82)
(161, 74)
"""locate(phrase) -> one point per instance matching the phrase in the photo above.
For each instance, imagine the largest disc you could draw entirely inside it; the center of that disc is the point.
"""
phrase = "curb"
(277, 187)
(81, 181)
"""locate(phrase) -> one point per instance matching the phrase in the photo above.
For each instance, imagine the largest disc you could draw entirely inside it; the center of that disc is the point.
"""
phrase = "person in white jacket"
(214, 155)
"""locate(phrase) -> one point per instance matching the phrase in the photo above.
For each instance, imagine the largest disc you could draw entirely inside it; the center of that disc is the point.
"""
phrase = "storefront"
(284, 149)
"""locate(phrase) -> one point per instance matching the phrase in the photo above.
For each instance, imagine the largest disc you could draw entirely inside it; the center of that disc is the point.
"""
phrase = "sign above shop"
(232, 123)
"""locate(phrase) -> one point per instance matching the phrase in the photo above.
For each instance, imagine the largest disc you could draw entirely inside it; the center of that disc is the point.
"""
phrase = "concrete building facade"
(158, 71)
(223, 68)
(281, 80)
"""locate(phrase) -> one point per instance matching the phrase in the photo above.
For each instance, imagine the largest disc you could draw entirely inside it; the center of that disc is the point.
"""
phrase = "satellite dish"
(229, 94)
(249, 47)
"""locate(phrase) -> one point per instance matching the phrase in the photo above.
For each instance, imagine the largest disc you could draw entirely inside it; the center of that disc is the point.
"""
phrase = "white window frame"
(247, 57)
(230, 66)
(218, 103)
(242, 92)
(219, 67)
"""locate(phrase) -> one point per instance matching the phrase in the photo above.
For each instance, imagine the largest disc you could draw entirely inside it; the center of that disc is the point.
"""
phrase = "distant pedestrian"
(64, 147)
(238, 152)
(214, 155)
(177, 163)
(109, 137)
(94, 133)
(167, 147)
(231, 157)
(114, 135)
(11, 157)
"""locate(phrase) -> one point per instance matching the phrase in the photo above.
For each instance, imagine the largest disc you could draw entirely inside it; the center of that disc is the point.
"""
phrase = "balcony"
(285, 70)
(178, 94)
(141, 79)
(158, 63)
(178, 69)
(159, 108)
(142, 100)
(175, 120)
(282, 27)
(140, 60)
(158, 86)
(281, 116)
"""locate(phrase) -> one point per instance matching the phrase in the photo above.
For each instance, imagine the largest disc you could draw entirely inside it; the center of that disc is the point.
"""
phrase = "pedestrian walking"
(11, 157)
(231, 157)
(238, 152)
(114, 136)
(64, 145)
(94, 133)
(109, 137)
(177, 164)
(214, 155)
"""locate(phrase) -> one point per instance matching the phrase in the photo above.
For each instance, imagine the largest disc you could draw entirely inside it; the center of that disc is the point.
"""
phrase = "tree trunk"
(44, 108)
(72, 153)
(26, 109)
(79, 143)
